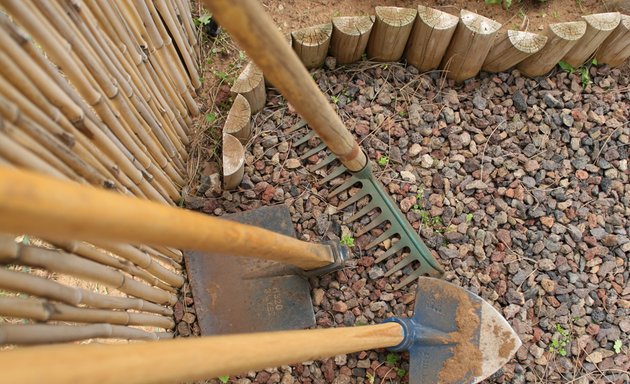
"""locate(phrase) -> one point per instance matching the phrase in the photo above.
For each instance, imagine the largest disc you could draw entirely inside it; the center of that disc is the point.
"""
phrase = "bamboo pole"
(45, 334)
(598, 27)
(131, 125)
(233, 161)
(44, 310)
(238, 122)
(18, 155)
(615, 50)
(350, 37)
(62, 262)
(172, 253)
(188, 23)
(251, 84)
(311, 44)
(44, 207)
(187, 360)
(512, 47)
(390, 33)
(561, 37)
(41, 287)
(469, 46)
(431, 34)
(44, 33)
(164, 258)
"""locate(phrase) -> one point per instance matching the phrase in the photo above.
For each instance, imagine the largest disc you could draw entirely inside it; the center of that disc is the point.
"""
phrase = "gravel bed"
(520, 186)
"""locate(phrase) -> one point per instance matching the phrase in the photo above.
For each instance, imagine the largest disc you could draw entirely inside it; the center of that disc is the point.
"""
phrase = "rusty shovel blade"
(242, 294)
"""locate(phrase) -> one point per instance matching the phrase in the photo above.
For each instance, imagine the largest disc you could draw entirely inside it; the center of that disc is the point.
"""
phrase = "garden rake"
(255, 32)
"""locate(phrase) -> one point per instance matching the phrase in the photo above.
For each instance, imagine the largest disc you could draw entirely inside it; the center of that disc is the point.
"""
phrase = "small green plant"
(211, 117)
(203, 19)
(506, 3)
(347, 240)
(370, 377)
(402, 113)
(469, 217)
(336, 14)
(383, 160)
(392, 358)
(401, 372)
(583, 70)
(224, 379)
(617, 346)
(335, 99)
(559, 344)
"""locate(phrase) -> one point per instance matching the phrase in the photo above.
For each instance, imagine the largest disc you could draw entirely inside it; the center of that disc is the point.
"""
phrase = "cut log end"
(437, 19)
(251, 84)
(526, 42)
(350, 37)
(233, 162)
(603, 21)
(311, 44)
(572, 30)
(238, 122)
(395, 16)
(353, 25)
(479, 24)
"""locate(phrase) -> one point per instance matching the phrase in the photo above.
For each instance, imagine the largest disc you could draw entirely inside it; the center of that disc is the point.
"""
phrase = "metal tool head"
(243, 294)
(408, 239)
(454, 335)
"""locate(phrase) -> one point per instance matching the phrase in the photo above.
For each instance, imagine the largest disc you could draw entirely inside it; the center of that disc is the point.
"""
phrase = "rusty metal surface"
(243, 294)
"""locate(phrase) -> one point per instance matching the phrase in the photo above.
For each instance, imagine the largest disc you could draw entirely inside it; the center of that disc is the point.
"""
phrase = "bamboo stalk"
(18, 155)
(192, 359)
(161, 257)
(62, 262)
(45, 334)
(186, 17)
(41, 287)
(44, 310)
(173, 253)
(42, 206)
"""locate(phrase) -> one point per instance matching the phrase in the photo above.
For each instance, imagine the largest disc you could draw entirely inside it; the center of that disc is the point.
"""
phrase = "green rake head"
(409, 240)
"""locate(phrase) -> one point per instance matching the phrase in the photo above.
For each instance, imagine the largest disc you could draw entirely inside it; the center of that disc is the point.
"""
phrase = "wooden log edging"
(390, 33)
(469, 46)
(238, 121)
(233, 162)
(510, 48)
(350, 37)
(598, 27)
(251, 84)
(311, 44)
(561, 37)
(430, 37)
(615, 50)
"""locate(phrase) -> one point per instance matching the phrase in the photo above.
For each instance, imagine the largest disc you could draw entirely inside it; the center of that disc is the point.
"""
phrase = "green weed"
(617, 346)
(383, 160)
(224, 379)
(558, 345)
(347, 240)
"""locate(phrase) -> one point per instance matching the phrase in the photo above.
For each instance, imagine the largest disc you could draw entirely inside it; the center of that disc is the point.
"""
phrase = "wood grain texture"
(311, 44)
(390, 33)
(251, 84)
(615, 50)
(238, 122)
(598, 27)
(430, 37)
(233, 162)
(561, 37)
(250, 26)
(469, 46)
(43, 206)
(510, 48)
(350, 36)
(186, 360)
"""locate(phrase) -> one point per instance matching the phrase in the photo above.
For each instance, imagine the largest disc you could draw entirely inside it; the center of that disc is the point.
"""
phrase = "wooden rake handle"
(186, 360)
(252, 28)
(43, 206)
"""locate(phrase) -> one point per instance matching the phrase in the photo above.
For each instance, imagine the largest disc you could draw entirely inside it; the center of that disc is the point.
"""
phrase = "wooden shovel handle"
(43, 206)
(186, 360)
(254, 31)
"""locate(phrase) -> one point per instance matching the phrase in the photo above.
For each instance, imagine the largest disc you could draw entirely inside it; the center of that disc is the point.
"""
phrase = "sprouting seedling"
(383, 160)
(559, 344)
(211, 117)
(617, 346)
(347, 240)
(224, 379)
(469, 217)
(335, 99)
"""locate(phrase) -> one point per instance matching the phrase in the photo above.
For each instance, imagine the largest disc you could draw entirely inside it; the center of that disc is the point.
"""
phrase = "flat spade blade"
(242, 294)
(456, 336)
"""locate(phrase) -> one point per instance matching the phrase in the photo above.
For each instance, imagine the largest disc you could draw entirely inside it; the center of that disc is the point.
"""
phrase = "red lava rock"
(340, 307)
(188, 301)
(313, 159)
(553, 301)
(328, 369)
(537, 334)
(362, 129)
(178, 311)
(259, 165)
(183, 329)
(581, 174)
(268, 194)
(504, 236)
(592, 329)
(509, 193)
(386, 372)
(547, 221)
(366, 261)
(345, 371)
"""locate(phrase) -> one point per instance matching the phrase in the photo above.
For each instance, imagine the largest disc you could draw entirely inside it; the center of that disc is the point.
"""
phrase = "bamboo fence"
(101, 93)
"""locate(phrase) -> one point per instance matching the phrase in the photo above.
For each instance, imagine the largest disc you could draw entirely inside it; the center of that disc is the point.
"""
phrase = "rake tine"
(296, 126)
(378, 220)
(313, 151)
(357, 196)
(384, 236)
(303, 139)
(364, 211)
(327, 160)
(417, 273)
(400, 265)
(333, 174)
(347, 184)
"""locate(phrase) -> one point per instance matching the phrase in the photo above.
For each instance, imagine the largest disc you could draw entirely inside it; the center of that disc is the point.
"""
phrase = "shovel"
(254, 31)
(453, 337)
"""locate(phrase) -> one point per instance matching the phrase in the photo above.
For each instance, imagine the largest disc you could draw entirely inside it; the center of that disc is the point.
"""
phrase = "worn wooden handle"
(186, 360)
(255, 32)
(43, 206)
